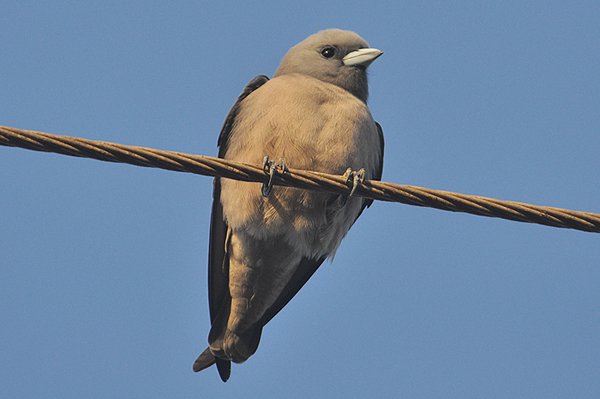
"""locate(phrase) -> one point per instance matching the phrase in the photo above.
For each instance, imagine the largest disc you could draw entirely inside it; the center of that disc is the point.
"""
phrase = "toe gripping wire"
(354, 178)
(271, 168)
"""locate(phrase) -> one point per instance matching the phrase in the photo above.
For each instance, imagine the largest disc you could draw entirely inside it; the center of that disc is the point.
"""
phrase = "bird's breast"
(310, 125)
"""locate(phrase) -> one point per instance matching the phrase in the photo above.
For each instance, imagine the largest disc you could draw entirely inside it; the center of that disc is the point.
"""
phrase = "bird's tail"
(228, 348)
(207, 359)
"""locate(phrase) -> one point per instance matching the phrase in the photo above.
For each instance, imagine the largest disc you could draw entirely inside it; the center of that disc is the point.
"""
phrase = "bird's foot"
(271, 168)
(356, 177)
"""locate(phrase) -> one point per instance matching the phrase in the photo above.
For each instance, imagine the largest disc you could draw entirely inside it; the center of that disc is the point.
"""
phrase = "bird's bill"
(362, 57)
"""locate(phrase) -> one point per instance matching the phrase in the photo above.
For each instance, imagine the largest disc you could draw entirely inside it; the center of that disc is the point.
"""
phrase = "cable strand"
(383, 191)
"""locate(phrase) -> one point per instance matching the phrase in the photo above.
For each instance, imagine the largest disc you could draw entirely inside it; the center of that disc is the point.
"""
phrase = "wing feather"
(218, 264)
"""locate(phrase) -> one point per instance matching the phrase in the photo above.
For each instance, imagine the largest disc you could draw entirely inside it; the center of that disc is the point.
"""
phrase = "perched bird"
(265, 244)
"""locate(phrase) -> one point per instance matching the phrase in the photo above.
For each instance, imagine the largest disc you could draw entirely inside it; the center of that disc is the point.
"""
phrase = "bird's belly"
(326, 136)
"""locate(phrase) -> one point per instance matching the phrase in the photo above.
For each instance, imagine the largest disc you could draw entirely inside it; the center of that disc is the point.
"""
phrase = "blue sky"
(103, 288)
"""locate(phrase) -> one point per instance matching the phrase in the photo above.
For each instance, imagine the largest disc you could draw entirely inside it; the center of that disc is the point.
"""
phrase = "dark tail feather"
(207, 359)
(224, 368)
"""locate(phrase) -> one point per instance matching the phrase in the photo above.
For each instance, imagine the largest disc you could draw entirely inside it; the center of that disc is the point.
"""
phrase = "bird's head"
(335, 56)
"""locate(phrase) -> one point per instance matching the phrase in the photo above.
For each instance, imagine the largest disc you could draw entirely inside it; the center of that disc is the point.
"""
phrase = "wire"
(211, 166)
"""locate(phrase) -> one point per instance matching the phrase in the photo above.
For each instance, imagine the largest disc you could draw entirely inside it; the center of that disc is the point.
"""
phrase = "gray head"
(335, 56)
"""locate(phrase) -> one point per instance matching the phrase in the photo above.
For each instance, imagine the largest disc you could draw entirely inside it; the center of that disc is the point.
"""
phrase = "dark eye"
(328, 52)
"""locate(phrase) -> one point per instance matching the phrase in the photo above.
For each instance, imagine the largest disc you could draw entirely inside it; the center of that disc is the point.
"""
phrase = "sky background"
(103, 266)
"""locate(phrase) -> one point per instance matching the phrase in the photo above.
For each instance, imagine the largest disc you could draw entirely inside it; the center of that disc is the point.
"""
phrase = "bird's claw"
(356, 177)
(271, 168)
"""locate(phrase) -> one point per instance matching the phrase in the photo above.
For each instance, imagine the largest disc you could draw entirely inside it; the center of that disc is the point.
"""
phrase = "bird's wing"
(218, 273)
(379, 171)
(230, 120)
(218, 265)
(305, 270)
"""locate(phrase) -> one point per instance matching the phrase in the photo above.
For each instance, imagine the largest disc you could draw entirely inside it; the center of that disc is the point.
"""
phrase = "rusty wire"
(211, 166)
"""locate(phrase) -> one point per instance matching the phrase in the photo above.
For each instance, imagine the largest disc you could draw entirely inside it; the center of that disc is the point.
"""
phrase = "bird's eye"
(328, 52)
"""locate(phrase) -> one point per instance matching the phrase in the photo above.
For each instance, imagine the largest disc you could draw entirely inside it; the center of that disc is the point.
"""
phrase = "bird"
(266, 242)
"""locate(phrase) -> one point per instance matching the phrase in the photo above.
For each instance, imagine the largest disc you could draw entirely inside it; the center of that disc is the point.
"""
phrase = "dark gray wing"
(230, 120)
(218, 264)
(303, 273)
(379, 171)
(218, 273)
(379, 174)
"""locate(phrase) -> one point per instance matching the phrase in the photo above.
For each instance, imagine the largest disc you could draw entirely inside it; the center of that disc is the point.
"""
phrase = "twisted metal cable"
(211, 166)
